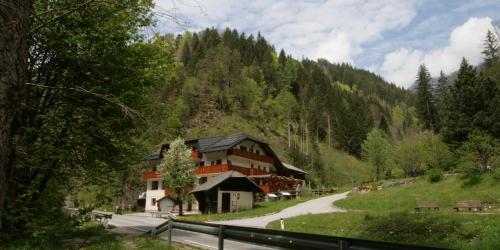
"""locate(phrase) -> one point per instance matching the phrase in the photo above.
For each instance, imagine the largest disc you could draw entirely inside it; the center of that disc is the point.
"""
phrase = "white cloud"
(335, 30)
(400, 66)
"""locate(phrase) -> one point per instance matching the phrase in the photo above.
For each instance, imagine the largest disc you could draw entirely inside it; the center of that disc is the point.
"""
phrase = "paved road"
(204, 241)
(145, 223)
(315, 206)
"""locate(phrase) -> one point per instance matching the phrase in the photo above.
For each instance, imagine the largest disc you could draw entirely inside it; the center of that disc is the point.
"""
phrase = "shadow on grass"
(471, 179)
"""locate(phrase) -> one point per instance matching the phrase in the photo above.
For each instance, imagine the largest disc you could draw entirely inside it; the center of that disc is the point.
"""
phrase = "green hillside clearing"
(388, 215)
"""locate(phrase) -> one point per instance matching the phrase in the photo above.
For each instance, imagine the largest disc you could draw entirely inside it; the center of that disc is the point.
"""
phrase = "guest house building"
(241, 155)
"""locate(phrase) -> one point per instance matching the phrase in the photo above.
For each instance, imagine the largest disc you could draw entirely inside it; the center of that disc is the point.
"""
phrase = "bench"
(426, 205)
(470, 205)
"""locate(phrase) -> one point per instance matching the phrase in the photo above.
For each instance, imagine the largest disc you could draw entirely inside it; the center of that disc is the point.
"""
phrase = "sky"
(391, 38)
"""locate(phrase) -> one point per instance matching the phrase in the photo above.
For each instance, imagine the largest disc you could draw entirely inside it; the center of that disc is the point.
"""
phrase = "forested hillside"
(227, 82)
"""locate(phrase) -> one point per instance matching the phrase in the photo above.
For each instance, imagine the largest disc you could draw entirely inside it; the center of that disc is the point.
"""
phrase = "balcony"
(249, 171)
(150, 175)
(253, 156)
(226, 167)
(212, 169)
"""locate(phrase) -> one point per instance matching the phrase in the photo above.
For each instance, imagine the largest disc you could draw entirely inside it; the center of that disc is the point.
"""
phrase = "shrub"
(397, 173)
(435, 174)
(496, 173)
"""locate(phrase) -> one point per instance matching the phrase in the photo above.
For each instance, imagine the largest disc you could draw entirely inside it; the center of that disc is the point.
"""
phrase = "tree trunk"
(14, 25)
(180, 208)
(329, 133)
(289, 135)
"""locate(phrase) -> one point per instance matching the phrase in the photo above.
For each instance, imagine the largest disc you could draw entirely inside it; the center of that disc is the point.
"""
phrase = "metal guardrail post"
(170, 227)
(221, 237)
(343, 245)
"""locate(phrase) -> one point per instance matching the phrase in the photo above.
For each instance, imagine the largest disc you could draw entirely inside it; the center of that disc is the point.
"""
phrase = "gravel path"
(315, 206)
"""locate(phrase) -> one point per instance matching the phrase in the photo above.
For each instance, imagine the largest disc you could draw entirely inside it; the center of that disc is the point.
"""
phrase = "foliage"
(434, 174)
(478, 150)
(425, 100)
(90, 75)
(177, 170)
(409, 154)
(437, 153)
(473, 105)
(397, 173)
(376, 150)
(491, 50)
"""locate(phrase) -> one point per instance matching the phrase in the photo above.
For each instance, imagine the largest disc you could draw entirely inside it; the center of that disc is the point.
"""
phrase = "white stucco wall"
(207, 158)
(153, 194)
(245, 201)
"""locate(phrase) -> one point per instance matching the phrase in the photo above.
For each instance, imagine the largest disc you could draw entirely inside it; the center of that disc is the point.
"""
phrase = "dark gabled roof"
(219, 143)
(155, 155)
(220, 178)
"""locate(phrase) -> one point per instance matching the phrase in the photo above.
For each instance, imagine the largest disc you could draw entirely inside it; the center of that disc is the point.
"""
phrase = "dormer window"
(243, 148)
(257, 152)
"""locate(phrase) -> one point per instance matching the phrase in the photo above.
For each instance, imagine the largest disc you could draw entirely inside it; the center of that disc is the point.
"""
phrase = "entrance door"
(226, 202)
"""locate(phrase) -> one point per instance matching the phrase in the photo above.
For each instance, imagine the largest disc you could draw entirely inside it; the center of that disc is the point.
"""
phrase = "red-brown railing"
(252, 156)
(212, 169)
(150, 175)
(226, 167)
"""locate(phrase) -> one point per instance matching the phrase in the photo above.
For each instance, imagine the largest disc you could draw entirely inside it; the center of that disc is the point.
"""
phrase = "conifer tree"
(384, 126)
(425, 107)
(471, 106)
(282, 58)
(441, 93)
(491, 48)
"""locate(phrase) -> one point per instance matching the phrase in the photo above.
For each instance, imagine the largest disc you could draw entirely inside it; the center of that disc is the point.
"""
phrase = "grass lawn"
(92, 237)
(388, 215)
(260, 209)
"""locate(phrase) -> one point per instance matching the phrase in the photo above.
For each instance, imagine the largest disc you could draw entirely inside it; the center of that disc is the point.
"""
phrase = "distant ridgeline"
(307, 102)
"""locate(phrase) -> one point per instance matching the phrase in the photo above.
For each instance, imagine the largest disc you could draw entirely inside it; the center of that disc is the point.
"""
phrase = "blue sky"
(390, 37)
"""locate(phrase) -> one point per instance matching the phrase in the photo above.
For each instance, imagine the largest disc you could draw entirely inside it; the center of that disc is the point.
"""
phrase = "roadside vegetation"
(91, 236)
(388, 215)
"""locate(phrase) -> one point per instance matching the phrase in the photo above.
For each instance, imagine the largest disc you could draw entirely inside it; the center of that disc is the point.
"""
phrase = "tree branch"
(126, 110)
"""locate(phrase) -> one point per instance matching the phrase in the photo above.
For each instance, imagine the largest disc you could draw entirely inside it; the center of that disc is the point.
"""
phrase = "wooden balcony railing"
(212, 169)
(253, 156)
(226, 167)
(150, 175)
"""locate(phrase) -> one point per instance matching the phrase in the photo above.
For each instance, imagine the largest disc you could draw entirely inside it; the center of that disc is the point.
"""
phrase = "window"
(212, 163)
(154, 168)
(202, 180)
(154, 185)
(243, 148)
(251, 165)
(202, 163)
(257, 152)
(153, 202)
(219, 162)
(258, 167)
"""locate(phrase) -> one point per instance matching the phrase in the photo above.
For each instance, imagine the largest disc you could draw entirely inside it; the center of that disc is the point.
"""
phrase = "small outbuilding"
(165, 204)
(226, 192)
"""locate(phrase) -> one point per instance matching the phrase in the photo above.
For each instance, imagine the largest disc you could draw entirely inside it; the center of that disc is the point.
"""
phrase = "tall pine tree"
(426, 110)
(491, 48)
(472, 106)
